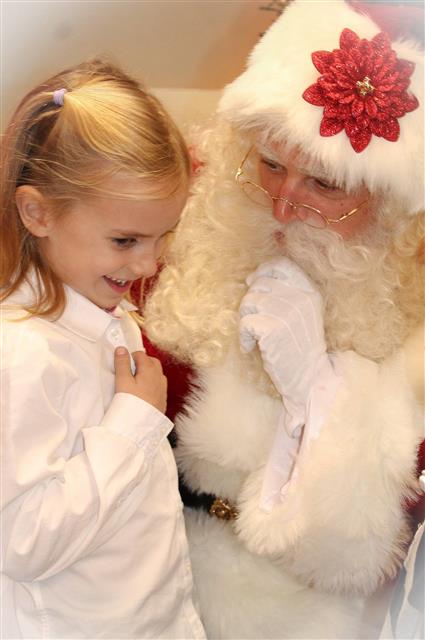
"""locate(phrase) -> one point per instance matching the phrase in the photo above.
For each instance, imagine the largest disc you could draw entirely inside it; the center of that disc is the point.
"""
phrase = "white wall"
(199, 44)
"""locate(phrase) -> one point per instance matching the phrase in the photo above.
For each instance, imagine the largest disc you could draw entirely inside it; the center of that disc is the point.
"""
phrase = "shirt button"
(115, 333)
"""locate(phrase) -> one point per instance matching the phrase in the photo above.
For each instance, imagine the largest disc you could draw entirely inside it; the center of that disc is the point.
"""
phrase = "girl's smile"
(121, 286)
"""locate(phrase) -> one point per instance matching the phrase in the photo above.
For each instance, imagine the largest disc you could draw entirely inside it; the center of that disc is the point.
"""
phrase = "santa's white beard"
(357, 285)
(193, 311)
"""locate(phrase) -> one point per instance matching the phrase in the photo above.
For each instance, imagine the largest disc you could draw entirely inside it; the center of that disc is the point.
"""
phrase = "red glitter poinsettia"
(363, 89)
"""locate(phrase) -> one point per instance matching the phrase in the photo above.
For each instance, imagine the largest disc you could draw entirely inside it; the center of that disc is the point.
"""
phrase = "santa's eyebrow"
(308, 168)
(268, 153)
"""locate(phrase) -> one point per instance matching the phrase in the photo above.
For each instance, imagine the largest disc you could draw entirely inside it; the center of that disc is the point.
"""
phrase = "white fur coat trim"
(342, 525)
(243, 595)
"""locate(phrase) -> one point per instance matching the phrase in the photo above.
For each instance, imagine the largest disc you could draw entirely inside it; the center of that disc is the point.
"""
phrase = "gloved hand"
(282, 313)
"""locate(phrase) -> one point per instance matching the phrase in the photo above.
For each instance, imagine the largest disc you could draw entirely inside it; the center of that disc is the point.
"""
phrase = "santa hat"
(327, 79)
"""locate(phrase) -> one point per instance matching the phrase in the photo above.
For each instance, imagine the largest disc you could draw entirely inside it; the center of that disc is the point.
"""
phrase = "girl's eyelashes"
(128, 243)
(124, 243)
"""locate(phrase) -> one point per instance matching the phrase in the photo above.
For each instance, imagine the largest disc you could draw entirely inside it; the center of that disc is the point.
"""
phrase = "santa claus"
(294, 287)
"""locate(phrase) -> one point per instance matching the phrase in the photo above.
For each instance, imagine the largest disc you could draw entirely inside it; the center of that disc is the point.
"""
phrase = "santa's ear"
(34, 211)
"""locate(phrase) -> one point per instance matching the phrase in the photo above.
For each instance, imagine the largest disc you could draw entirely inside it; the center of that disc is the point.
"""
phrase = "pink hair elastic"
(58, 97)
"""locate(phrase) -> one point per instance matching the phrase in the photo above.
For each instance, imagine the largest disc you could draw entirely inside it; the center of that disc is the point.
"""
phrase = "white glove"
(282, 313)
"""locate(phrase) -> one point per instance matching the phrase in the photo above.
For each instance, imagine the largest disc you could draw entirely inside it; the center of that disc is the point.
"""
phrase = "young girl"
(94, 177)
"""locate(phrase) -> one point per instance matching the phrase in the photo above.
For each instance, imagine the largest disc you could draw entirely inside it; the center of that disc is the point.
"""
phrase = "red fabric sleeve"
(179, 376)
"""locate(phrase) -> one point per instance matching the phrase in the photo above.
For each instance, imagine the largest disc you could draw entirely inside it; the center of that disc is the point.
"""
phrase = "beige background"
(178, 44)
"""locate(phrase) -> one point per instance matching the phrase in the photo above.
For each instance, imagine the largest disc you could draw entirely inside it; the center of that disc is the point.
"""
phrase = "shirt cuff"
(133, 418)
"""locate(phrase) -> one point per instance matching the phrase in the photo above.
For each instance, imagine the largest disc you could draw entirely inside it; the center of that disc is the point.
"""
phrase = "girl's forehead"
(106, 179)
(126, 185)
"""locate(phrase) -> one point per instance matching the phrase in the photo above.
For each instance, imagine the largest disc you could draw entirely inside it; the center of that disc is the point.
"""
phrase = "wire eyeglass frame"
(313, 222)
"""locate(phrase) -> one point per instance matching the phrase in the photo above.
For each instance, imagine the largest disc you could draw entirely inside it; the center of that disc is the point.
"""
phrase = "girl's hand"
(148, 383)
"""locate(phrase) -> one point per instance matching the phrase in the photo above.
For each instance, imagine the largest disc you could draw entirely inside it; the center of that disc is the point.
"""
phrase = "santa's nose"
(283, 210)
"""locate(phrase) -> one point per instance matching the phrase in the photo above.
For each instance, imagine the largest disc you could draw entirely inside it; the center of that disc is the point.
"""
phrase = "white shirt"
(93, 538)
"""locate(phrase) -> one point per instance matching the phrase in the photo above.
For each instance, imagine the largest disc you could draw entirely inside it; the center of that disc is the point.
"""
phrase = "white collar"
(80, 316)
(86, 319)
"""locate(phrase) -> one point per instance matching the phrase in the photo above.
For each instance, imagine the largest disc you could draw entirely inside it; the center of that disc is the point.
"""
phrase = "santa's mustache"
(324, 255)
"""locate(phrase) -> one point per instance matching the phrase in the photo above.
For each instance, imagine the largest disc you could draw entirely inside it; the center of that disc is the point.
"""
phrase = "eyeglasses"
(305, 213)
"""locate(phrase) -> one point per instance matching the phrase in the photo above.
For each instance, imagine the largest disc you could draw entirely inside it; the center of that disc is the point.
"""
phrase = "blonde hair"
(193, 310)
(108, 123)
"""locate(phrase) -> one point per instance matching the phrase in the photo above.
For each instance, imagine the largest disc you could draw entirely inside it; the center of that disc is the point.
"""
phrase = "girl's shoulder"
(25, 339)
(34, 360)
